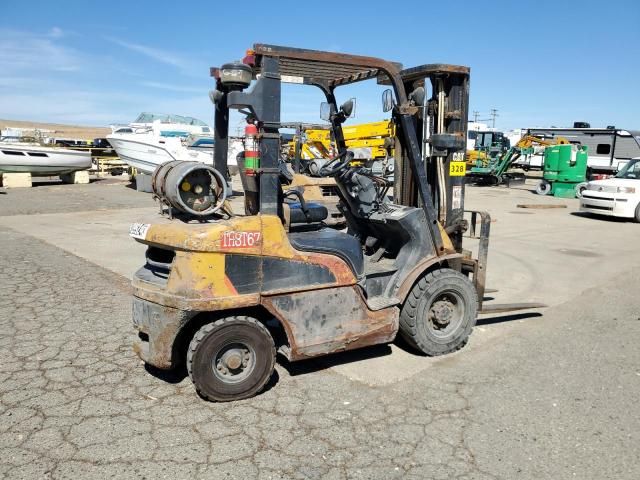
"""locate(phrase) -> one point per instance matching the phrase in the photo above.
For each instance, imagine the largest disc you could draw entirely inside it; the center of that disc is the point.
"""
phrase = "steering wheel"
(328, 170)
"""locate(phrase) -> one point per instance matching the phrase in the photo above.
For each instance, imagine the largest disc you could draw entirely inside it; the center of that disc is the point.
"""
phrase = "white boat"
(153, 139)
(28, 157)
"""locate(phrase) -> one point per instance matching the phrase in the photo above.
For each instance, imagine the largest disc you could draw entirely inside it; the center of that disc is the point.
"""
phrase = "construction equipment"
(495, 172)
(225, 295)
(371, 144)
(564, 171)
(310, 147)
(488, 146)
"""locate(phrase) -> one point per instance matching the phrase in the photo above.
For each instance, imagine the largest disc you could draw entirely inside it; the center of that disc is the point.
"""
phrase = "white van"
(617, 196)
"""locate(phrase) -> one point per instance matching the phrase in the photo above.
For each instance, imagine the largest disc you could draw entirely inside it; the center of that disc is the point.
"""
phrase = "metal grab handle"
(303, 203)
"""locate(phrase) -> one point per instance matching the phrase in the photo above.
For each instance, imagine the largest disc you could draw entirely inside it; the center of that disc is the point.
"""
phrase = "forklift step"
(380, 302)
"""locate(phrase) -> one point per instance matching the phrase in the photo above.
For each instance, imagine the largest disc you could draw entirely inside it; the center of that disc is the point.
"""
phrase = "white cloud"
(22, 52)
(178, 60)
(174, 88)
(56, 32)
(42, 79)
(101, 108)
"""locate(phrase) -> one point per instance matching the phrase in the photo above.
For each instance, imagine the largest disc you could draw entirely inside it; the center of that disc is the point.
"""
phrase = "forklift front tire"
(439, 312)
(231, 359)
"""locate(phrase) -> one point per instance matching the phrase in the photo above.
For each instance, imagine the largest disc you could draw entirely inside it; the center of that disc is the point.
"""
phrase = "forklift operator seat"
(316, 212)
(333, 242)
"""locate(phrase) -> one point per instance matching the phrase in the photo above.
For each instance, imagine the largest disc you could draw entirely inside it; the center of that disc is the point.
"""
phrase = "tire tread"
(409, 312)
(207, 329)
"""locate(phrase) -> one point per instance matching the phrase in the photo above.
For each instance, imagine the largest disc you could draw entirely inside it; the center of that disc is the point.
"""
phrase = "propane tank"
(251, 150)
(190, 187)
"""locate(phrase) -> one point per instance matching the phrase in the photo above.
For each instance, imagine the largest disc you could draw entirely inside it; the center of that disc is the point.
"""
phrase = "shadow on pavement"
(322, 363)
(169, 376)
(605, 218)
(492, 320)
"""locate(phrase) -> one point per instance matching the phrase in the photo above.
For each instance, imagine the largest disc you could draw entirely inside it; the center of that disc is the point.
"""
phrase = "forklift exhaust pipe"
(192, 188)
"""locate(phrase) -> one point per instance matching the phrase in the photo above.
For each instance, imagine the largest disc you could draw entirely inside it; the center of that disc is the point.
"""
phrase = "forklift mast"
(441, 127)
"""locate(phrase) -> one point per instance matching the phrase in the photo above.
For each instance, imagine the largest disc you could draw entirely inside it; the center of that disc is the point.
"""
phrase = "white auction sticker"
(456, 202)
(291, 79)
(139, 230)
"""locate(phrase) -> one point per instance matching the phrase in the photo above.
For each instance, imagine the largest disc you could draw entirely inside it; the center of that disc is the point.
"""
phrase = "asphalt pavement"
(548, 394)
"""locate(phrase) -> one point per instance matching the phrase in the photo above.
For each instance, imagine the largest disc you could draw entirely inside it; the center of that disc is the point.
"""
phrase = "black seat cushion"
(317, 213)
(333, 242)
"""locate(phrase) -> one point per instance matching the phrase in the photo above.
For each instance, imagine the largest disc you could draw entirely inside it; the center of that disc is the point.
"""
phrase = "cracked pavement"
(552, 396)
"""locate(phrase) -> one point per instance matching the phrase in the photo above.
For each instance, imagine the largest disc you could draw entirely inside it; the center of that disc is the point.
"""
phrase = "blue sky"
(540, 63)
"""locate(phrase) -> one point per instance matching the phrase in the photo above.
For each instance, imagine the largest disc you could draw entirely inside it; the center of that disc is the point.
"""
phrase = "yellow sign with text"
(457, 169)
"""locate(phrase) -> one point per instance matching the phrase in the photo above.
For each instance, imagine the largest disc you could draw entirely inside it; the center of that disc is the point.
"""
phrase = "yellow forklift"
(224, 294)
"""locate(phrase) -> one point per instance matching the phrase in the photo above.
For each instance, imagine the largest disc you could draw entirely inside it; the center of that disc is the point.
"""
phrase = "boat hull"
(42, 161)
(146, 155)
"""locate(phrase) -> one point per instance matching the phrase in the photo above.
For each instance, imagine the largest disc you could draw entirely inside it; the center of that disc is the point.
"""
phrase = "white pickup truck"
(617, 196)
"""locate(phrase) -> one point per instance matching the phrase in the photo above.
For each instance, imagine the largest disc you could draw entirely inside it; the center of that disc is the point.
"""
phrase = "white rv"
(609, 149)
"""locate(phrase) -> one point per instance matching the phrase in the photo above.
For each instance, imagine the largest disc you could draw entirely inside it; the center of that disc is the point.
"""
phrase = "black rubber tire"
(211, 339)
(415, 326)
(638, 213)
(543, 188)
(579, 188)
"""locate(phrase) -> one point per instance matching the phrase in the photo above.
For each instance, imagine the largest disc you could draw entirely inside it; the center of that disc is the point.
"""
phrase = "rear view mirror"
(387, 100)
(349, 107)
(325, 111)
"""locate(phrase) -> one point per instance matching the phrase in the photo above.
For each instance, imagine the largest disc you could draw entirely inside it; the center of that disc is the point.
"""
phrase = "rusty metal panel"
(160, 324)
(331, 320)
(419, 73)
(329, 68)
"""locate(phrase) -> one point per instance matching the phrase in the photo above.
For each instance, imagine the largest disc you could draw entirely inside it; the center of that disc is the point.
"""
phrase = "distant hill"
(67, 131)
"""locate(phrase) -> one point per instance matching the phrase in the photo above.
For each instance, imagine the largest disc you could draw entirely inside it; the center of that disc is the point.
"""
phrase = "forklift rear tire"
(439, 312)
(231, 359)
